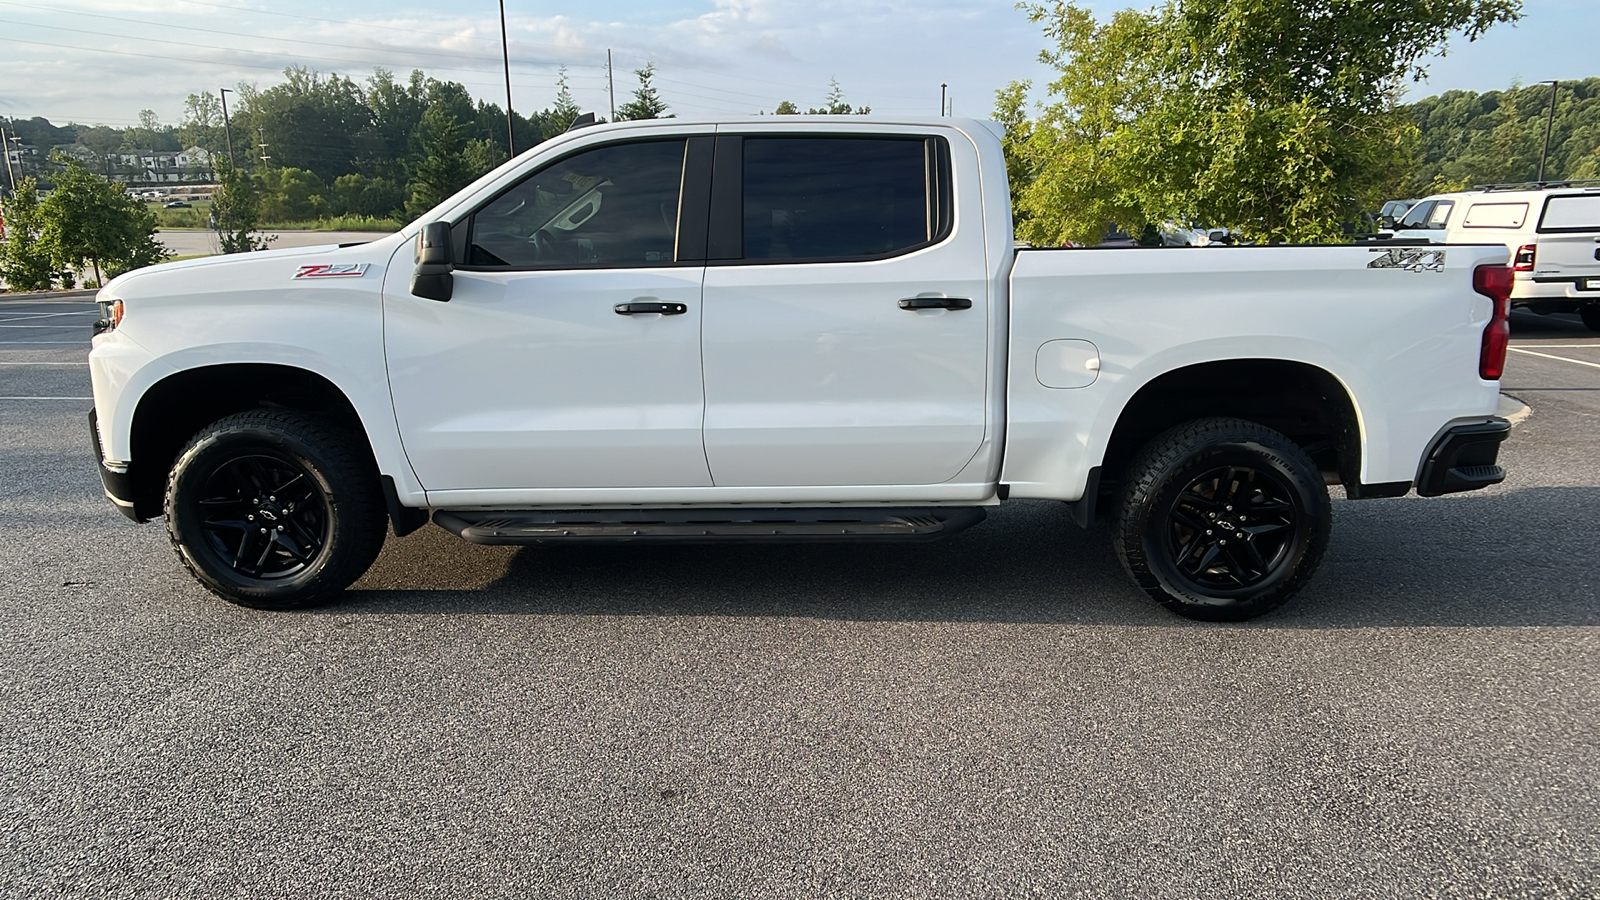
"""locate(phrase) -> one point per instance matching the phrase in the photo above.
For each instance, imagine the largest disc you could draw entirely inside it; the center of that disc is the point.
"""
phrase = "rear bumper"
(117, 482)
(1463, 458)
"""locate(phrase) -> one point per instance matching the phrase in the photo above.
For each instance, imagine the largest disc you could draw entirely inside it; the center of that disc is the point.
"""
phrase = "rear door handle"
(643, 307)
(935, 303)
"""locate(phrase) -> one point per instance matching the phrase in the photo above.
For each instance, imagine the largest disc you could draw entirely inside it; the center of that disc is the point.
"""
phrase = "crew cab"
(792, 329)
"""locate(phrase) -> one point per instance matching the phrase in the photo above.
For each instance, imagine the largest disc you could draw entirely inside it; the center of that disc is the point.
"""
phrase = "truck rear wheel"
(1222, 519)
(274, 509)
(1590, 312)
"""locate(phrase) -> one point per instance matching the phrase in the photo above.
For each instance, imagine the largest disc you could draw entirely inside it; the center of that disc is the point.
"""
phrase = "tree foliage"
(1469, 138)
(24, 259)
(236, 206)
(646, 102)
(90, 221)
(1274, 117)
(564, 111)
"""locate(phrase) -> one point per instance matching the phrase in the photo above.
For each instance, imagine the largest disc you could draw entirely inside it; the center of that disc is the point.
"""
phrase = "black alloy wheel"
(275, 509)
(265, 516)
(1232, 528)
(1222, 519)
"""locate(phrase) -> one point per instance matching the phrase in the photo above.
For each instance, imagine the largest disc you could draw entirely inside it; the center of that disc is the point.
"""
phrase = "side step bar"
(706, 525)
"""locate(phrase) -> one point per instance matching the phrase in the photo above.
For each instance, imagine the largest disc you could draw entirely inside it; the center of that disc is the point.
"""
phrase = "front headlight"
(110, 315)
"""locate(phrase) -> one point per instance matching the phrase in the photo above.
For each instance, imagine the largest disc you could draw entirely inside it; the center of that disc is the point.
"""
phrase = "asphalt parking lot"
(999, 715)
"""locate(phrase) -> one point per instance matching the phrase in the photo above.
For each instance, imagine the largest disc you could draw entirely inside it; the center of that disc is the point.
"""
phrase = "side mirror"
(431, 276)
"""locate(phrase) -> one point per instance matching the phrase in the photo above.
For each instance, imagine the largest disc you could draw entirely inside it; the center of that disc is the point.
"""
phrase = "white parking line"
(85, 312)
(1561, 358)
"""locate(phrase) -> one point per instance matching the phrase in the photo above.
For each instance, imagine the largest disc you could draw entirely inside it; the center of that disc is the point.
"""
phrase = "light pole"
(5, 147)
(505, 54)
(1549, 121)
(227, 127)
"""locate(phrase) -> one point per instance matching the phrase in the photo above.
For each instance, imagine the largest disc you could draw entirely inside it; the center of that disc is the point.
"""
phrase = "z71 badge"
(332, 270)
(1409, 260)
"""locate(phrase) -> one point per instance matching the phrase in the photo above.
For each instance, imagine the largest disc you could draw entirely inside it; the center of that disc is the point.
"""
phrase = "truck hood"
(251, 271)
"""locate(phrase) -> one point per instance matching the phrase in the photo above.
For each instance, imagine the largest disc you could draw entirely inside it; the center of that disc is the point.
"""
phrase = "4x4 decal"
(1409, 260)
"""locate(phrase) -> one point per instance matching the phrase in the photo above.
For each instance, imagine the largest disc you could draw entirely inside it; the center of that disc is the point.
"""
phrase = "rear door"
(1569, 242)
(845, 331)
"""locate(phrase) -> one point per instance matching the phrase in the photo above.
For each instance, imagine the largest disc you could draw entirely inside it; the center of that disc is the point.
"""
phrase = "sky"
(102, 61)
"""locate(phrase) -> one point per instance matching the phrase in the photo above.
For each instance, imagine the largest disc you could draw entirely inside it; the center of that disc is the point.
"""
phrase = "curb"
(1513, 410)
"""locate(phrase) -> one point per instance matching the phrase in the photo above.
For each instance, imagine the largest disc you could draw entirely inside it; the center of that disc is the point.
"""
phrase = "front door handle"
(655, 307)
(936, 303)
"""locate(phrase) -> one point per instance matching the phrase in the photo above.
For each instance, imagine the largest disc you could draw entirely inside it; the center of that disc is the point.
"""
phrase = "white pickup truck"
(801, 329)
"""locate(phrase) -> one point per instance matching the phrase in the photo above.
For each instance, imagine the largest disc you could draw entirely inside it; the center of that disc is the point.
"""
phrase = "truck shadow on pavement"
(1508, 558)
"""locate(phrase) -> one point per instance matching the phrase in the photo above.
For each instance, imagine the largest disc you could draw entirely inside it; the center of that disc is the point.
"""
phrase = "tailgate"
(1569, 238)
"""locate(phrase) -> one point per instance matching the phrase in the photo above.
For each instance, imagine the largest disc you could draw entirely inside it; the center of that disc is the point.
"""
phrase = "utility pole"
(5, 146)
(941, 98)
(611, 84)
(1549, 121)
(505, 54)
(227, 126)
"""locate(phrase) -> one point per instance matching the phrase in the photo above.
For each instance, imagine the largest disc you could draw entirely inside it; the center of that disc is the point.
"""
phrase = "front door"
(846, 321)
(569, 353)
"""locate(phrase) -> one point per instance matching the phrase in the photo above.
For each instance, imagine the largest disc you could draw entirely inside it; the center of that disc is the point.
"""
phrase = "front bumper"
(117, 482)
(1463, 458)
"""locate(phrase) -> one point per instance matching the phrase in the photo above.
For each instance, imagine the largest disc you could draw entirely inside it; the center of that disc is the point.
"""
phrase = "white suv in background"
(1552, 231)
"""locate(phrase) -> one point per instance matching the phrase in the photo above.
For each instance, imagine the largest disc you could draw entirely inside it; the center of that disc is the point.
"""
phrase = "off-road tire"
(250, 546)
(1194, 488)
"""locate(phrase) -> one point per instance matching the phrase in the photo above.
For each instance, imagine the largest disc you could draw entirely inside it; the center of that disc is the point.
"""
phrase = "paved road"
(1001, 715)
(195, 243)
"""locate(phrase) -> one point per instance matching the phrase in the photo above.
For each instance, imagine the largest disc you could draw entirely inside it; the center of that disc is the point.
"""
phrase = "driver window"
(610, 207)
(1418, 216)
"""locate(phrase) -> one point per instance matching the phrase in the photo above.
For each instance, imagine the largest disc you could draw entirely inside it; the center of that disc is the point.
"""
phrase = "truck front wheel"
(274, 509)
(1222, 519)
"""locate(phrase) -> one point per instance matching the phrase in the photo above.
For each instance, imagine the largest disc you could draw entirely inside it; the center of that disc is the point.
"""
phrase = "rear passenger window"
(1496, 215)
(834, 198)
(1440, 216)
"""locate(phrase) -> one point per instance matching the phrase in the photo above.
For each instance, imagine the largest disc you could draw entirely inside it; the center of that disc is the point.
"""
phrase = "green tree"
(310, 121)
(559, 117)
(360, 195)
(646, 102)
(291, 195)
(835, 105)
(88, 220)
(24, 259)
(786, 108)
(443, 168)
(236, 205)
(1274, 117)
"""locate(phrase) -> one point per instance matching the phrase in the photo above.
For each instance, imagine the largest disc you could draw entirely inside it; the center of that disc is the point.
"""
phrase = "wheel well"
(176, 408)
(1300, 401)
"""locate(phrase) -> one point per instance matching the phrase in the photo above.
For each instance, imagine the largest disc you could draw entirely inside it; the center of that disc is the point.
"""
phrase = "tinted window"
(1440, 214)
(1418, 216)
(835, 198)
(613, 206)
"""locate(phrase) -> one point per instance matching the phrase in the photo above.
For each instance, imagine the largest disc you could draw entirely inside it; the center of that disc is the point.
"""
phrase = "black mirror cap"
(431, 278)
(433, 245)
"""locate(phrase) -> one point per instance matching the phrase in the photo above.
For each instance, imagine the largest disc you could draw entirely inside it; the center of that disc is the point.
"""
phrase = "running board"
(706, 525)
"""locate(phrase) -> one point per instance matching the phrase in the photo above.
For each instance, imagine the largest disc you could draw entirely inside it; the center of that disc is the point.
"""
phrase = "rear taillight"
(1523, 261)
(1494, 282)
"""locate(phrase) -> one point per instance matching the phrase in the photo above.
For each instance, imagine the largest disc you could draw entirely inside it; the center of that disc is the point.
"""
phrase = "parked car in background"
(178, 204)
(1552, 231)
